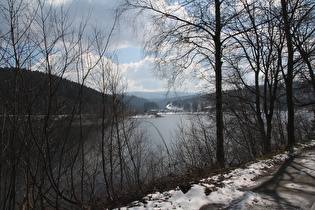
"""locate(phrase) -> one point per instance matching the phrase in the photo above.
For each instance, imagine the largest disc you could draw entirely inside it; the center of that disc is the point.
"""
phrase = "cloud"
(100, 14)
(137, 75)
(58, 2)
(140, 76)
(137, 72)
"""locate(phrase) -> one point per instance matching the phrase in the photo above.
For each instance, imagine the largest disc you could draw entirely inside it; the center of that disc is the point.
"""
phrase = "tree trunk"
(289, 75)
(218, 78)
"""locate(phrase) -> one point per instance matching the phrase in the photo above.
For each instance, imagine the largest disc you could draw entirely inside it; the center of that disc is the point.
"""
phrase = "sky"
(126, 44)
(137, 68)
(126, 47)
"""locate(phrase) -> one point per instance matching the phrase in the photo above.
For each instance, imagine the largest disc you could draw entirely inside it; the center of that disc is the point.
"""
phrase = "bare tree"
(303, 38)
(15, 51)
(42, 155)
(187, 37)
(257, 50)
(289, 75)
(294, 15)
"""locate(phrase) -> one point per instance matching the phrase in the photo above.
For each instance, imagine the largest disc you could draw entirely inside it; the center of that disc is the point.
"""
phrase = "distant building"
(173, 108)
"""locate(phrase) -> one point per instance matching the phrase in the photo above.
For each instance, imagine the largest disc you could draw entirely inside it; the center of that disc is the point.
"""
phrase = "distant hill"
(139, 104)
(36, 92)
(303, 97)
(160, 95)
(162, 98)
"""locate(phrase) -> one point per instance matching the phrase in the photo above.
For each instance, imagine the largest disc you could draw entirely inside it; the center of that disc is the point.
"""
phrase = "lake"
(164, 128)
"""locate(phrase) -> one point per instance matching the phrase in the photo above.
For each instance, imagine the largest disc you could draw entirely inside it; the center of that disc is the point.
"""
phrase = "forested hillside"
(37, 88)
(303, 98)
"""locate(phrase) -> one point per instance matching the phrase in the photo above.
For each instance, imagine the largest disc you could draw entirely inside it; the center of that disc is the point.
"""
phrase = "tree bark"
(218, 78)
(289, 75)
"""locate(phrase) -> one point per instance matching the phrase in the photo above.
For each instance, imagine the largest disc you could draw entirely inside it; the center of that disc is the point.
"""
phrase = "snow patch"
(227, 188)
(249, 199)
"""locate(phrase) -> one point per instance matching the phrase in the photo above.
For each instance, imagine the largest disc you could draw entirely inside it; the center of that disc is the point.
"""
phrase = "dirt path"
(292, 186)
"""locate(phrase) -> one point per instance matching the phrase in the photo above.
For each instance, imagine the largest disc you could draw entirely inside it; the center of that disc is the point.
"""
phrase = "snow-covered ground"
(218, 189)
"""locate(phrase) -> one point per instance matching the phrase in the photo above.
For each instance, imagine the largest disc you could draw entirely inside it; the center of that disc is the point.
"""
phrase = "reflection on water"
(164, 128)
